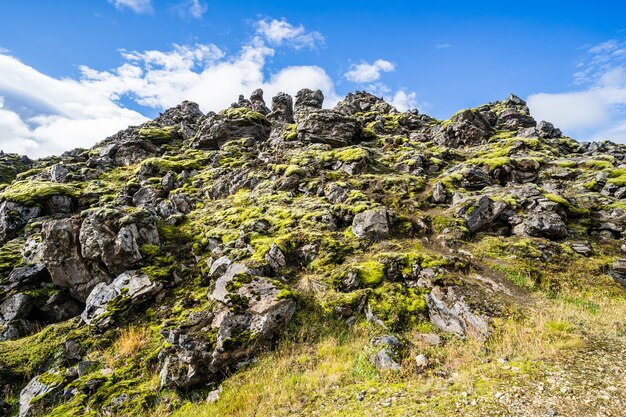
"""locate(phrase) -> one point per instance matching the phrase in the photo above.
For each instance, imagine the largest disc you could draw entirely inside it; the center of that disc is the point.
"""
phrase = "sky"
(75, 72)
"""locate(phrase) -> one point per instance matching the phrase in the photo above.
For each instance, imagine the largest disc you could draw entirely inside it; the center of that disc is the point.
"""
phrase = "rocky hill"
(295, 260)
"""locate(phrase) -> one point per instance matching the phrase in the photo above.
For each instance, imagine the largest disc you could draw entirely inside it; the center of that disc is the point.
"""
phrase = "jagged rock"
(383, 361)
(42, 390)
(219, 267)
(275, 257)
(187, 112)
(146, 197)
(307, 100)
(373, 224)
(63, 260)
(109, 238)
(542, 224)
(257, 103)
(484, 214)
(282, 108)
(363, 102)
(26, 275)
(581, 248)
(15, 307)
(516, 115)
(13, 217)
(16, 329)
(58, 173)
(329, 127)
(131, 289)
(450, 313)
(466, 128)
(232, 124)
(618, 271)
(440, 194)
(250, 313)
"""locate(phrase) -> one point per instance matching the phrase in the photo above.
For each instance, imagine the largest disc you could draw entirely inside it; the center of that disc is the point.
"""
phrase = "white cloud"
(443, 45)
(137, 6)
(41, 115)
(404, 101)
(194, 9)
(366, 73)
(277, 32)
(597, 110)
(62, 113)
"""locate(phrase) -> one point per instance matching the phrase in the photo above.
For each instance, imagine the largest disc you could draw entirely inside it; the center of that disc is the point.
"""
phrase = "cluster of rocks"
(362, 170)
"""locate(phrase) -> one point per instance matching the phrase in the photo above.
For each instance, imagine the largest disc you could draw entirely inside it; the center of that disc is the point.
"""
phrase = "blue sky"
(73, 72)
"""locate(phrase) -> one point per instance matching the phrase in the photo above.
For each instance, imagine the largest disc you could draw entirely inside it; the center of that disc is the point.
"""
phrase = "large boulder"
(329, 127)
(250, 312)
(232, 124)
(373, 224)
(130, 289)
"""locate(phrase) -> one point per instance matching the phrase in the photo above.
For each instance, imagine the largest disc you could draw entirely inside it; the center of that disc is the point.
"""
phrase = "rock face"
(63, 260)
(252, 310)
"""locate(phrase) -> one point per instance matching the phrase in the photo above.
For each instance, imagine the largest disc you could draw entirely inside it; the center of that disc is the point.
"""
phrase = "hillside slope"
(304, 261)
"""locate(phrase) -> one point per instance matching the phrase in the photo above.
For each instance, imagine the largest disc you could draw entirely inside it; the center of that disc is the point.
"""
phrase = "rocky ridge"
(200, 229)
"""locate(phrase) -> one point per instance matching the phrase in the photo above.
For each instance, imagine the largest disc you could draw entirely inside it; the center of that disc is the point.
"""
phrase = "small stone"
(421, 362)
(360, 396)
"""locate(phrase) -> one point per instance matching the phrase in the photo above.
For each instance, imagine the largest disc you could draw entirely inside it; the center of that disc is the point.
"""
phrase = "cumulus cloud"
(278, 32)
(597, 109)
(137, 6)
(366, 73)
(403, 101)
(42, 115)
(49, 115)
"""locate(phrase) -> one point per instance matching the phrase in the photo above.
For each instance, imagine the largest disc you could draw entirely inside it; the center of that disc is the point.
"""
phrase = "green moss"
(291, 133)
(351, 154)
(370, 273)
(157, 134)
(397, 306)
(491, 163)
(294, 170)
(240, 341)
(10, 256)
(599, 165)
(245, 113)
(31, 192)
(618, 177)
